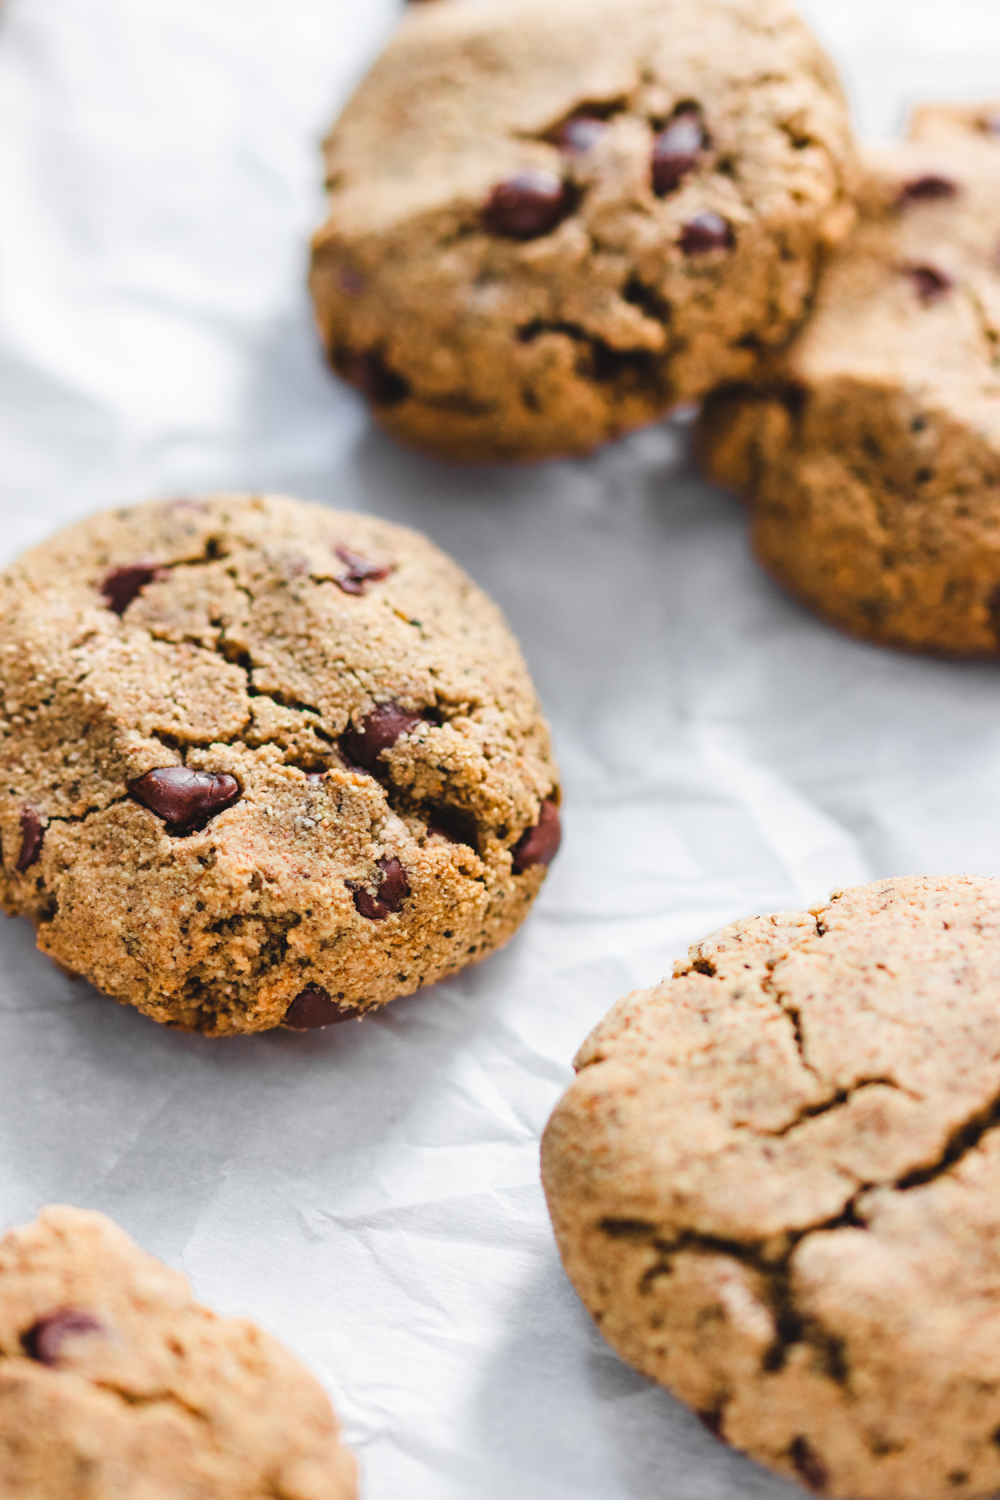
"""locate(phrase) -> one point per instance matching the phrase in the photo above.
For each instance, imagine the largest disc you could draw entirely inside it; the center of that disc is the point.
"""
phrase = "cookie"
(870, 453)
(115, 1383)
(263, 762)
(549, 224)
(775, 1184)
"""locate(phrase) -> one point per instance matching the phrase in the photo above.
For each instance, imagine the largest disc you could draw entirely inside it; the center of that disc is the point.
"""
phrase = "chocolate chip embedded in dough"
(360, 570)
(581, 133)
(376, 379)
(930, 283)
(676, 149)
(706, 231)
(363, 743)
(392, 892)
(32, 835)
(809, 1465)
(184, 799)
(527, 205)
(538, 845)
(928, 189)
(43, 1342)
(315, 1007)
(121, 585)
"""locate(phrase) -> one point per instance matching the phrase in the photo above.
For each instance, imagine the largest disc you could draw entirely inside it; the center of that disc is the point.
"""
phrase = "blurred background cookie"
(549, 224)
(775, 1184)
(115, 1383)
(264, 762)
(870, 455)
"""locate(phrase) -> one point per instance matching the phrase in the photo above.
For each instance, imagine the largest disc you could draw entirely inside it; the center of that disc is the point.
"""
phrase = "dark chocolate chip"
(122, 584)
(315, 1007)
(359, 571)
(184, 799)
(927, 189)
(350, 281)
(712, 1420)
(539, 845)
(809, 1465)
(527, 205)
(32, 834)
(454, 824)
(581, 133)
(363, 743)
(706, 231)
(375, 379)
(931, 284)
(44, 1341)
(392, 892)
(675, 151)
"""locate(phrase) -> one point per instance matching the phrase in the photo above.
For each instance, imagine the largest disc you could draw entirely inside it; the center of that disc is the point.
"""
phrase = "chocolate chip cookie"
(870, 454)
(552, 223)
(115, 1383)
(775, 1184)
(264, 763)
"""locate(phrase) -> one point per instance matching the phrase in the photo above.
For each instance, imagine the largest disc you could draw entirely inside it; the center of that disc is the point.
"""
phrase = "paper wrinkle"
(371, 1193)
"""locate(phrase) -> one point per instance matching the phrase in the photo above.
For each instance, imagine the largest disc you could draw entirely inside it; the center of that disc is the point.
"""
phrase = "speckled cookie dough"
(263, 762)
(114, 1383)
(870, 454)
(552, 223)
(775, 1184)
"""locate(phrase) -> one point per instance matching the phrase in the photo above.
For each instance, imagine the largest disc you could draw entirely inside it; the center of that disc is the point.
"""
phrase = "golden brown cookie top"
(254, 749)
(549, 223)
(776, 1179)
(114, 1381)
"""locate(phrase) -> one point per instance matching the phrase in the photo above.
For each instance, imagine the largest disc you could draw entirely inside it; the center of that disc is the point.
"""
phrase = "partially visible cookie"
(263, 762)
(115, 1384)
(775, 1184)
(551, 223)
(870, 454)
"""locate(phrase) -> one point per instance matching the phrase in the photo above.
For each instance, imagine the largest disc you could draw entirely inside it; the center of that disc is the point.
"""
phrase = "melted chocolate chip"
(675, 151)
(45, 1340)
(392, 892)
(931, 284)
(581, 133)
(706, 231)
(527, 205)
(538, 845)
(315, 1007)
(32, 835)
(712, 1420)
(454, 824)
(363, 743)
(359, 571)
(122, 584)
(375, 379)
(809, 1465)
(927, 189)
(184, 799)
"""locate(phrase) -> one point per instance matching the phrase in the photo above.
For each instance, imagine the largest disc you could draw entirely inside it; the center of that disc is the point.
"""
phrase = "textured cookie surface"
(684, 163)
(775, 1184)
(262, 761)
(116, 1385)
(871, 457)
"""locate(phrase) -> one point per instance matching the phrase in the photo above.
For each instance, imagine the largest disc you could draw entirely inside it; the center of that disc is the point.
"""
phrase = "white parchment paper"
(371, 1194)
